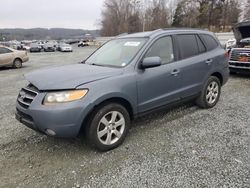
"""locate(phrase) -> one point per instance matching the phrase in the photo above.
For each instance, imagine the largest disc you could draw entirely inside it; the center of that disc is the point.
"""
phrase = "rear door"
(194, 63)
(6, 56)
(215, 53)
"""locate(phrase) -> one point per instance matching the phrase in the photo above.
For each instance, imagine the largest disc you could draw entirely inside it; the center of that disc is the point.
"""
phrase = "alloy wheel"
(212, 92)
(111, 128)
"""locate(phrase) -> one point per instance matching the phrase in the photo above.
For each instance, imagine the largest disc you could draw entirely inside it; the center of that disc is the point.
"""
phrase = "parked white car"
(65, 48)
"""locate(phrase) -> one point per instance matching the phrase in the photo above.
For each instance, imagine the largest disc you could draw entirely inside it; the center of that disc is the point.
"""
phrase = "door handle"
(209, 61)
(175, 72)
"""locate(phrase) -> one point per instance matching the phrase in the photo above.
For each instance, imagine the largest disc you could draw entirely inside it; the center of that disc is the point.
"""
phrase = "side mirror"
(150, 62)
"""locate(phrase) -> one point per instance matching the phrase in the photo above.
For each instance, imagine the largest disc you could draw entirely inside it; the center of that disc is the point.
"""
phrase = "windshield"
(118, 52)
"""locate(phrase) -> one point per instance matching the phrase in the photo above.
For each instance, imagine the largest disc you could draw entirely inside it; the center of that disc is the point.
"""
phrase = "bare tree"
(157, 15)
(186, 14)
(247, 11)
(119, 16)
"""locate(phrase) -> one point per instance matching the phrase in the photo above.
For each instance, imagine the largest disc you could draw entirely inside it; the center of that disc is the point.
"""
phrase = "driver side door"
(160, 85)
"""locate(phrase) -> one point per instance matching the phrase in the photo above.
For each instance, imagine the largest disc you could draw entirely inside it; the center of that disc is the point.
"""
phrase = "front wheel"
(210, 94)
(17, 63)
(108, 127)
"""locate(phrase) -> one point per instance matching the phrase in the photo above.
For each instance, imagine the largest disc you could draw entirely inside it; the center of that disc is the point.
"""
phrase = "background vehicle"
(49, 47)
(127, 77)
(35, 47)
(41, 44)
(240, 55)
(11, 57)
(63, 47)
(53, 43)
(83, 44)
(231, 43)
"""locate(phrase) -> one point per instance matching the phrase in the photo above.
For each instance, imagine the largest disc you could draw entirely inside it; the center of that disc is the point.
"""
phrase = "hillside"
(42, 33)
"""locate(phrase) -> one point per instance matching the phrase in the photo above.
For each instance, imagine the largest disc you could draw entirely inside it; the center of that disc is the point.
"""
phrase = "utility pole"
(144, 15)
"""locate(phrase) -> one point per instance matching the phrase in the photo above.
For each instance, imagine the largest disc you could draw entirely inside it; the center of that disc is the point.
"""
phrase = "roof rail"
(182, 28)
(122, 34)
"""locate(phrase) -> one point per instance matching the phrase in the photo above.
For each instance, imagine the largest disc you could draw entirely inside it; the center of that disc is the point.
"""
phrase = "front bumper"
(239, 70)
(239, 66)
(66, 50)
(65, 120)
(25, 59)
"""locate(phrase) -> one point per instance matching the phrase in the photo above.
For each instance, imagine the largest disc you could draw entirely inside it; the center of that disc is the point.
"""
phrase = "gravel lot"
(183, 147)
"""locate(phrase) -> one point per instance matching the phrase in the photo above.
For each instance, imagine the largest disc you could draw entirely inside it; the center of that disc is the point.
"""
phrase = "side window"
(210, 42)
(4, 50)
(1, 50)
(188, 45)
(162, 48)
(201, 46)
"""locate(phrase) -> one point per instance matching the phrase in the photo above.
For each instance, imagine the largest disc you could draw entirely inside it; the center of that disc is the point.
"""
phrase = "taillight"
(226, 54)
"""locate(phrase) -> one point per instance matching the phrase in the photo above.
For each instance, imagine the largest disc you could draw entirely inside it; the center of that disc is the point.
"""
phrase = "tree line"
(128, 16)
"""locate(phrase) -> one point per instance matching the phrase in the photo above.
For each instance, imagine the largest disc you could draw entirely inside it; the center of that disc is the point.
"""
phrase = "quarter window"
(210, 42)
(162, 48)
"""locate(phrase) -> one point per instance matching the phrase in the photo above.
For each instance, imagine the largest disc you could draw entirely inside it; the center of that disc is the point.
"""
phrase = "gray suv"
(127, 77)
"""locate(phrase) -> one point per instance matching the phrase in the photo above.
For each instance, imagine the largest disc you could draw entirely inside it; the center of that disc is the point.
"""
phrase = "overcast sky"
(78, 14)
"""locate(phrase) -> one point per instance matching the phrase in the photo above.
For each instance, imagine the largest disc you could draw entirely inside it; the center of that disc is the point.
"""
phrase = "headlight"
(64, 96)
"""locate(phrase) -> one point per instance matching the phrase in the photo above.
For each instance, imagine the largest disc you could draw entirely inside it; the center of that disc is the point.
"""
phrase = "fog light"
(50, 132)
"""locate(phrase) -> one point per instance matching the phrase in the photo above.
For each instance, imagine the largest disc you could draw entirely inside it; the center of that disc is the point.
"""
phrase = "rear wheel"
(17, 63)
(210, 94)
(108, 127)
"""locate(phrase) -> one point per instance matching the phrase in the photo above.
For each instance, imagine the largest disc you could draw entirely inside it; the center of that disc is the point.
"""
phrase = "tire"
(104, 133)
(210, 93)
(17, 64)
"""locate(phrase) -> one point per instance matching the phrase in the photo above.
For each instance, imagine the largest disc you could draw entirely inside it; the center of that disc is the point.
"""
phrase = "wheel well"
(117, 100)
(219, 76)
(18, 58)
(120, 101)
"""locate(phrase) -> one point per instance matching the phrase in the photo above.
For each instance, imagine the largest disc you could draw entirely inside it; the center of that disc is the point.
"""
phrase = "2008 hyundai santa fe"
(127, 77)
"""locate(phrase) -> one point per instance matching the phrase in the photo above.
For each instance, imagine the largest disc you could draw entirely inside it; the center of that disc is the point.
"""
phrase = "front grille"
(24, 116)
(243, 65)
(27, 95)
(237, 54)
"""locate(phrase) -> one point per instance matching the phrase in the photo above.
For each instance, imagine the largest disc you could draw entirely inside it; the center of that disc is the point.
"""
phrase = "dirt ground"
(182, 147)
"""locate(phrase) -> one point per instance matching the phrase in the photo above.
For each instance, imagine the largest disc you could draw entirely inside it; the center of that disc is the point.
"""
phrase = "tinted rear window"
(210, 42)
(188, 45)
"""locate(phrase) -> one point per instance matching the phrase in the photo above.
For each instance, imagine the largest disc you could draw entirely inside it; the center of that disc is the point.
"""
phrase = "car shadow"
(240, 75)
(34, 142)
(11, 68)
(168, 115)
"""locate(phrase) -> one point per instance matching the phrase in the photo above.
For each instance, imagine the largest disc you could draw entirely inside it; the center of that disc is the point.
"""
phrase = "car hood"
(241, 30)
(69, 76)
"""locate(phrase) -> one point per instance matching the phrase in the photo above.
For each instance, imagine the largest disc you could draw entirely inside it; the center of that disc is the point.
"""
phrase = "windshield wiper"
(104, 65)
(97, 64)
